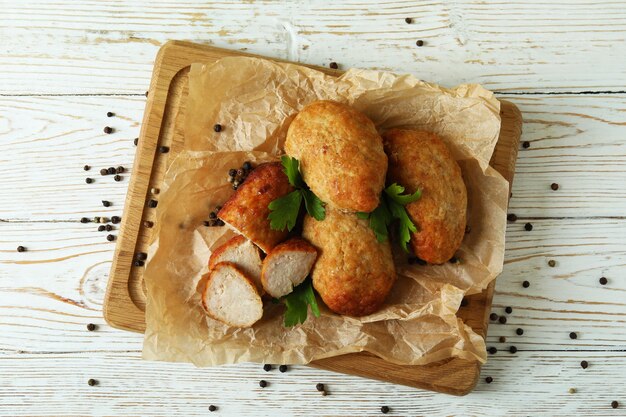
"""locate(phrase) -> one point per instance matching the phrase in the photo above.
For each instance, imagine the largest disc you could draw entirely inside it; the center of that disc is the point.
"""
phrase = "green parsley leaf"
(405, 225)
(298, 303)
(284, 211)
(290, 166)
(380, 218)
(314, 205)
(395, 190)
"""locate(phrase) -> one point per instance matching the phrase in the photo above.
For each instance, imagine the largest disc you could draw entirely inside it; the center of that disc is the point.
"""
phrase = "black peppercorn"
(384, 409)
(110, 238)
(493, 317)
(217, 127)
(420, 43)
(502, 320)
(21, 248)
(220, 222)
(108, 227)
(116, 219)
(492, 350)
(106, 203)
(551, 263)
(603, 281)
(453, 260)
(142, 256)
(262, 383)
(212, 408)
(120, 170)
(584, 364)
(91, 327)
(511, 217)
(138, 263)
(525, 284)
(86, 167)
(212, 215)
(104, 171)
(528, 227)
(88, 180)
(91, 382)
(208, 223)
(247, 166)
(117, 178)
(152, 203)
(164, 149)
(148, 223)
(282, 368)
(135, 141)
(319, 387)
(573, 335)
(513, 349)
(526, 144)
(554, 186)
(146, 93)
(614, 404)
(519, 331)
(502, 339)
(408, 20)
(267, 367)
(232, 172)
(508, 310)
(110, 170)
(101, 228)
(84, 220)
(108, 130)
(489, 380)
(110, 114)
(333, 65)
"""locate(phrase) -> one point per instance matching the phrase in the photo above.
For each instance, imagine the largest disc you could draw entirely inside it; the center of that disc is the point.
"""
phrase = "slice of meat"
(286, 266)
(231, 297)
(246, 211)
(242, 253)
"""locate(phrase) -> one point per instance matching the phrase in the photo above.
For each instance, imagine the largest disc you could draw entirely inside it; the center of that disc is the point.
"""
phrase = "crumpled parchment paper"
(255, 100)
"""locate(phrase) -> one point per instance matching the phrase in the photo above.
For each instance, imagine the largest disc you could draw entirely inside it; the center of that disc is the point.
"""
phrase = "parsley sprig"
(298, 302)
(284, 210)
(390, 208)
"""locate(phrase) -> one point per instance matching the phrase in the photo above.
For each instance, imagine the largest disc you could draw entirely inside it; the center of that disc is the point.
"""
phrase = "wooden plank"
(576, 141)
(56, 385)
(104, 46)
(51, 292)
(163, 123)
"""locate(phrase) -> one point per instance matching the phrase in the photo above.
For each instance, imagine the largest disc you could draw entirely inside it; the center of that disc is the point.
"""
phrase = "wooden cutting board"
(124, 304)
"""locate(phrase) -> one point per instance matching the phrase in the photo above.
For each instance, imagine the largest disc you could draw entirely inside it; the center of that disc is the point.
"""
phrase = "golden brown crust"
(341, 155)
(246, 211)
(354, 272)
(421, 160)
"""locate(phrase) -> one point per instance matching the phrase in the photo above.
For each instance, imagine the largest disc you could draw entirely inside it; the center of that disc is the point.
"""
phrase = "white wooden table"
(64, 64)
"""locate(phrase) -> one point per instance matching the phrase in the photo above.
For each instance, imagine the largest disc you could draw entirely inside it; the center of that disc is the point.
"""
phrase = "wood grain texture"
(49, 293)
(576, 141)
(107, 48)
(163, 124)
(131, 387)
(94, 46)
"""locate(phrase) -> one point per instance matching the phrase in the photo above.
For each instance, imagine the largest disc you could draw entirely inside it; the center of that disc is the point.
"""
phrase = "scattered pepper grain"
(282, 368)
(526, 144)
(333, 65)
(584, 364)
(419, 43)
(511, 217)
(88, 180)
(91, 327)
(110, 238)
(21, 248)
(489, 380)
(554, 186)
(384, 409)
(108, 130)
(528, 227)
(92, 382)
(603, 281)
(217, 127)
(267, 367)
(519, 331)
(551, 263)
(525, 284)
(502, 320)
(262, 383)
(508, 310)
(573, 335)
